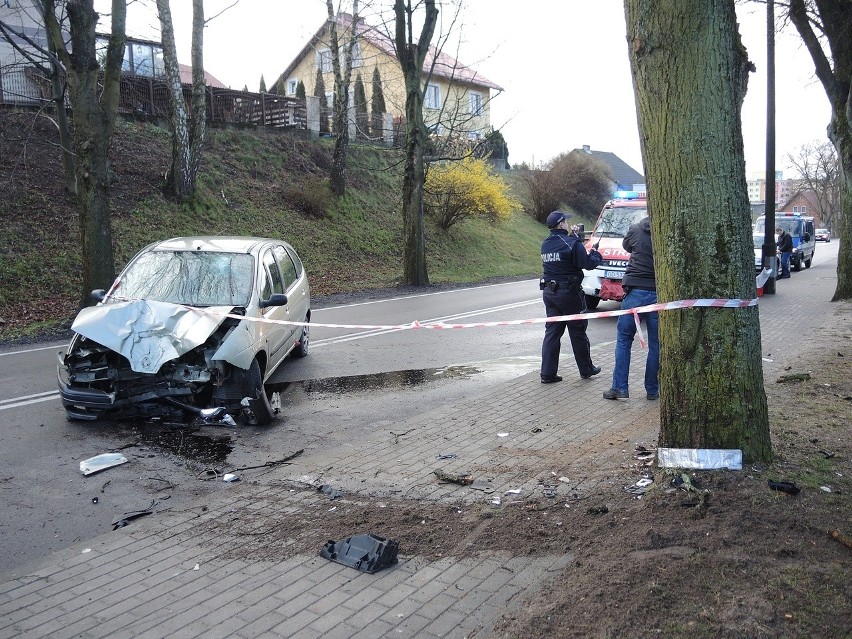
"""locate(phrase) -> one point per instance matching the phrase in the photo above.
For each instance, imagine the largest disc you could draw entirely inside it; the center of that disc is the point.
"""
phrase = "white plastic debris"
(564, 479)
(825, 489)
(762, 277)
(513, 491)
(101, 462)
(230, 477)
(700, 458)
(502, 434)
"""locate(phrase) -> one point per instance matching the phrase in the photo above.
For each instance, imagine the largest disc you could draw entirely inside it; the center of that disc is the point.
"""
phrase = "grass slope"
(252, 182)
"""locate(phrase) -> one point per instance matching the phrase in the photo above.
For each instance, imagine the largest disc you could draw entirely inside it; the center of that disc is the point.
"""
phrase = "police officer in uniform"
(563, 258)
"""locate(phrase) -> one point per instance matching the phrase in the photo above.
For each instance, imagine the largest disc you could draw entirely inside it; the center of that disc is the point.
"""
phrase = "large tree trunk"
(94, 110)
(411, 56)
(690, 73)
(834, 21)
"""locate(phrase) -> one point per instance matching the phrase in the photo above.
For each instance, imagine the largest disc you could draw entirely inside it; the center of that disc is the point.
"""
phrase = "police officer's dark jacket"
(563, 257)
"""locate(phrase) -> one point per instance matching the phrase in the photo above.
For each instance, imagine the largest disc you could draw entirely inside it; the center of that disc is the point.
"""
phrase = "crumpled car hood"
(149, 333)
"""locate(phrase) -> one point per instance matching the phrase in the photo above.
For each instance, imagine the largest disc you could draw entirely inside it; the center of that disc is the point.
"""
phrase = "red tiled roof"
(186, 77)
(442, 66)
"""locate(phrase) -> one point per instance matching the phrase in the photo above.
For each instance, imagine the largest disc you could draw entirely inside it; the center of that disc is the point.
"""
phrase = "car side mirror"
(97, 296)
(276, 299)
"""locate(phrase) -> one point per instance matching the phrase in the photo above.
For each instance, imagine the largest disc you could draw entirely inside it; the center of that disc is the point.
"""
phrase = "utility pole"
(769, 248)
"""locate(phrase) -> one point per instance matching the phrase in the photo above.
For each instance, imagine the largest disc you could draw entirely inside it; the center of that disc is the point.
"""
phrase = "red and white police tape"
(664, 306)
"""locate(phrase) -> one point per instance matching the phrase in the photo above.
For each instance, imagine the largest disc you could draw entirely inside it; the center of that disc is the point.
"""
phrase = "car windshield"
(791, 225)
(615, 221)
(195, 278)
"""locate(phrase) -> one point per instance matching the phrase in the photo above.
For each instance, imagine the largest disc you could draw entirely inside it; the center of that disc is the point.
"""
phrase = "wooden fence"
(146, 96)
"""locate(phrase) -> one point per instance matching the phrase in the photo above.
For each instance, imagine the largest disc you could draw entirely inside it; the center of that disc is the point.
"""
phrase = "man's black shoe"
(615, 394)
(595, 370)
(551, 380)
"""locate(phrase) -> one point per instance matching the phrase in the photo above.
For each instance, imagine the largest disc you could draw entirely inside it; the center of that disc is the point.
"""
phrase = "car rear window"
(195, 278)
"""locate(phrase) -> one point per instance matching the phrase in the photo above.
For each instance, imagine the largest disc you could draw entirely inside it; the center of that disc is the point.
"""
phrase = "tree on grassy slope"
(411, 55)
(94, 106)
(187, 131)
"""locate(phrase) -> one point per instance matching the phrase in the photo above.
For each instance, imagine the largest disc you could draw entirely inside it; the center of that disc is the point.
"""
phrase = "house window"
(474, 135)
(291, 87)
(357, 59)
(432, 97)
(329, 99)
(140, 58)
(475, 103)
(324, 60)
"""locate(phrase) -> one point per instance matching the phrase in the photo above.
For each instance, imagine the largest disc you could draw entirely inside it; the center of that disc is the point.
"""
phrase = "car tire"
(808, 261)
(301, 349)
(592, 302)
(260, 413)
(796, 265)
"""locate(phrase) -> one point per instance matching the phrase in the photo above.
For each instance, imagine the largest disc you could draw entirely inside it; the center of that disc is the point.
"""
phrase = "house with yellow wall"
(456, 98)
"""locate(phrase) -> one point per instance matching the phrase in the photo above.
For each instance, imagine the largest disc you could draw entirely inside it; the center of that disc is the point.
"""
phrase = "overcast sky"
(563, 66)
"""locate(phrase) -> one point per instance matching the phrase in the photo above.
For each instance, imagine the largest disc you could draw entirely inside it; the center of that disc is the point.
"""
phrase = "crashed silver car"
(192, 326)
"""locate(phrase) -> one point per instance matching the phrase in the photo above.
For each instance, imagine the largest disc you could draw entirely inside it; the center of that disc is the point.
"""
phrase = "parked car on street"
(823, 235)
(191, 326)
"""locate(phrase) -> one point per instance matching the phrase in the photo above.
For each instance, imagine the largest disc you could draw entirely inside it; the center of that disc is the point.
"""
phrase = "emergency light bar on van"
(626, 195)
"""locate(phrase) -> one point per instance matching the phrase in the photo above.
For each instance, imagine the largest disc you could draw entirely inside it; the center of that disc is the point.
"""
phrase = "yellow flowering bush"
(467, 188)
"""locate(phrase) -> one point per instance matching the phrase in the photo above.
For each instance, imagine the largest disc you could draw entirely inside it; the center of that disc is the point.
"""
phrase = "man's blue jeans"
(785, 263)
(624, 342)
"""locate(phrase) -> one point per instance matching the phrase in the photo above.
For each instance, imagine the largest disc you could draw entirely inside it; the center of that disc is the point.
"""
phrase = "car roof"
(214, 243)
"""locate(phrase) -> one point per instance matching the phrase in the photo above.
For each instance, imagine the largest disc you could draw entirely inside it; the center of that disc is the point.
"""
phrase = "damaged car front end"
(199, 350)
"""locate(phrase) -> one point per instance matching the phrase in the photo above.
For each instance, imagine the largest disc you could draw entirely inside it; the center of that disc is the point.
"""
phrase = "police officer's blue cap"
(556, 218)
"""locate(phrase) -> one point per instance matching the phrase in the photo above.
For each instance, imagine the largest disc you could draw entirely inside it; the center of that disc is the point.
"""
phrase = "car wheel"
(301, 349)
(592, 302)
(259, 411)
(796, 264)
(808, 261)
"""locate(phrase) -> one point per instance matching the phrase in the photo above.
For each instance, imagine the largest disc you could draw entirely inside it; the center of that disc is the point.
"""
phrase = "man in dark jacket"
(563, 259)
(641, 290)
(785, 249)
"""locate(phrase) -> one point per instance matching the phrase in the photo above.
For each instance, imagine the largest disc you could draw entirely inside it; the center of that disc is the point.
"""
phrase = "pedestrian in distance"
(640, 287)
(785, 250)
(564, 258)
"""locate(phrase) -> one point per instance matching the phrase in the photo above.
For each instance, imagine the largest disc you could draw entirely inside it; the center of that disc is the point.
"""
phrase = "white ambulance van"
(604, 282)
